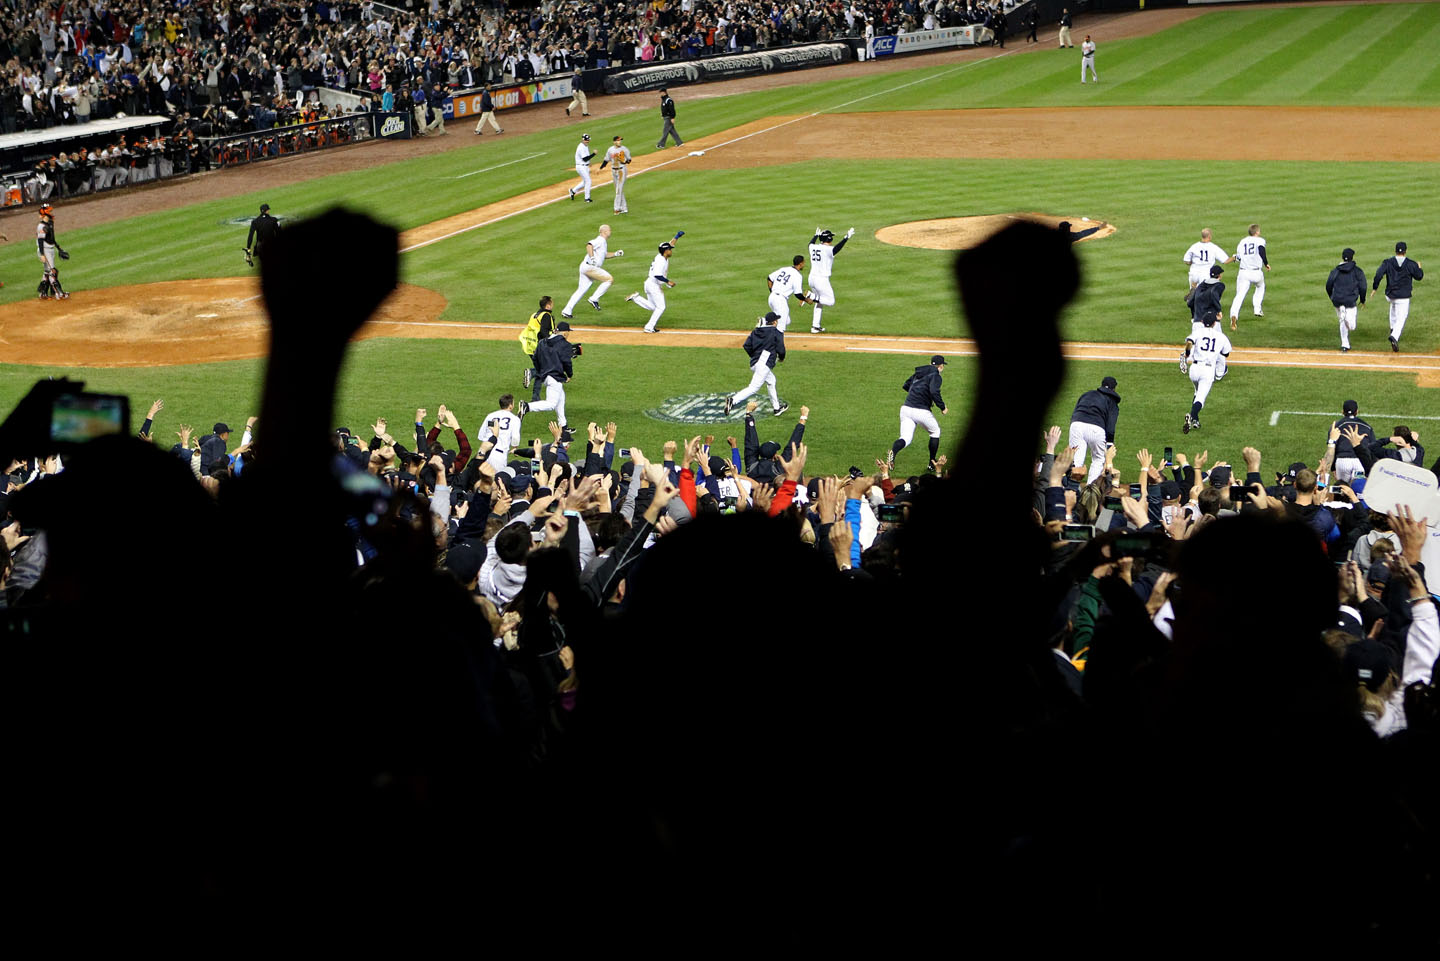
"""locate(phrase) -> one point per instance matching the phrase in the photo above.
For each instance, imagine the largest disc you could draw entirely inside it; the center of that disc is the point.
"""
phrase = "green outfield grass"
(742, 224)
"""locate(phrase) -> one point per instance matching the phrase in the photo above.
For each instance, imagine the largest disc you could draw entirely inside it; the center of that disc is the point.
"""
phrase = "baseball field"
(1320, 123)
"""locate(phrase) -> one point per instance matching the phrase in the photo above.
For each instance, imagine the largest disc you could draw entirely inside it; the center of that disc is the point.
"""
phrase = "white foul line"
(666, 163)
(1275, 415)
(498, 166)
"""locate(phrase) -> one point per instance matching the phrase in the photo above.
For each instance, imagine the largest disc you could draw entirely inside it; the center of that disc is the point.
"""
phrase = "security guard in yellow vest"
(540, 325)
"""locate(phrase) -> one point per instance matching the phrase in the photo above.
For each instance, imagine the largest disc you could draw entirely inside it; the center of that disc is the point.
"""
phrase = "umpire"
(263, 229)
(667, 113)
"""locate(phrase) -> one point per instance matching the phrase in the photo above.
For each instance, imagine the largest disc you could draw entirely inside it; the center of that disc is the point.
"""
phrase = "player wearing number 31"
(1206, 351)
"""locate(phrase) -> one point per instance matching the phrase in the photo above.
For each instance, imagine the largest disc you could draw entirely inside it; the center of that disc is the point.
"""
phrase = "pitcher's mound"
(174, 322)
(962, 233)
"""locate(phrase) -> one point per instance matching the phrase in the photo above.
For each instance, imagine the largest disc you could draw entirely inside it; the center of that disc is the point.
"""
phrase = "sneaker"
(1344, 350)
(729, 404)
(566, 434)
(524, 408)
(528, 379)
(890, 459)
(1234, 323)
(1258, 314)
(567, 316)
(593, 304)
(64, 296)
(572, 195)
(1395, 345)
(567, 111)
(784, 406)
(630, 297)
(1195, 425)
(589, 201)
(501, 130)
(817, 330)
(1189, 424)
(584, 115)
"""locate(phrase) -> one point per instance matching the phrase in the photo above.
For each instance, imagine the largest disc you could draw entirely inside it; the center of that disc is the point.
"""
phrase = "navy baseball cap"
(771, 317)
(562, 326)
(1348, 253)
(937, 359)
(1400, 247)
(1216, 270)
(667, 245)
(1350, 407)
(1109, 382)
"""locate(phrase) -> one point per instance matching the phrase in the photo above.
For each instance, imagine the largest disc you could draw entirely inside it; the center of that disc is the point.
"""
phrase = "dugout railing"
(290, 139)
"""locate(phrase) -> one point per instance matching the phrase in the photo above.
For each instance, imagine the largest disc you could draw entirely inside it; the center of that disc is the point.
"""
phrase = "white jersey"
(1087, 49)
(618, 156)
(581, 152)
(1248, 253)
(506, 425)
(1203, 253)
(1211, 344)
(822, 261)
(660, 266)
(597, 259)
(787, 282)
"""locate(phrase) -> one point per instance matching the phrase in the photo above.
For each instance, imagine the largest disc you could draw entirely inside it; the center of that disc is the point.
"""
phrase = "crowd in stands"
(644, 694)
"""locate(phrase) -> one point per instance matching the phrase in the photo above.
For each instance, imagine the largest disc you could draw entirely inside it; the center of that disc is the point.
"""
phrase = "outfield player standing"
(618, 157)
(822, 262)
(592, 271)
(504, 424)
(656, 282)
(1207, 350)
(765, 347)
(1253, 264)
(1399, 273)
(583, 156)
(784, 283)
(922, 391)
(1202, 255)
(1346, 287)
(1087, 59)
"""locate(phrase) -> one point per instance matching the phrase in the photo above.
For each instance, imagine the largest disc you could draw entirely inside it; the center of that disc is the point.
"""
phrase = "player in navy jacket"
(554, 363)
(1399, 273)
(1346, 287)
(922, 391)
(1092, 425)
(765, 347)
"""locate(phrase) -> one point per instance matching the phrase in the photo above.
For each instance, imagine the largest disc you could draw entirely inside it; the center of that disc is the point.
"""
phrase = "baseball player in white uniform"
(1253, 264)
(583, 156)
(1202, 255)
(505, 425)
(618, 158)
(1087, 59)
(592, 271)
(822, 261)
(655, 283)
(785, 283)
(1206, 353)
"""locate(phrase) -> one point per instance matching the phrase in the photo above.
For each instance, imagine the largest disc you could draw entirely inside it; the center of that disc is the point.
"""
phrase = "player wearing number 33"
(1207, 350)
(822, 262)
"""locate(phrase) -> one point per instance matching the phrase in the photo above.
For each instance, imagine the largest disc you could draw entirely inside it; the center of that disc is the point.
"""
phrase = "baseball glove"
(64, 254)
(249, 258)
(679, 234)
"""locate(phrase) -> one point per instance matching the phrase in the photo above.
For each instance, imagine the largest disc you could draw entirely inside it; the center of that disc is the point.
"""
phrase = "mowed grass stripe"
(1362, 55)
(1321, 54)
(1166, 72)
(1289, 47)
(1409, 55)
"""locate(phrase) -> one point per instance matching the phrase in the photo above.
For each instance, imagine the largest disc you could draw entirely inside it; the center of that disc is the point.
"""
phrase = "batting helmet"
(666, 246)
(826, 236)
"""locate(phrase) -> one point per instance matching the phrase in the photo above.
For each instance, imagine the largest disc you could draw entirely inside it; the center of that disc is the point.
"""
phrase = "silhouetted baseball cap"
(1109, 382)
(1400, 248)
(562, 326)
(1347, 254)
(1350, 407)
(1216, 270)
(1368, 662)
(937, 359)
(1170, 491)
(264, 207)
(221, 428)
(771, 316)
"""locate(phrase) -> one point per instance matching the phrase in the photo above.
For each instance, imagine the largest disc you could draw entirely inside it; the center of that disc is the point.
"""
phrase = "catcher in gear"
(45, 249)
(263, 229)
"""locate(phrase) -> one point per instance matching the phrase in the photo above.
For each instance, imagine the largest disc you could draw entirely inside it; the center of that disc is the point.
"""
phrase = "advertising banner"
(467, 105)
(966, 36)
(676, 72)
(392, 126)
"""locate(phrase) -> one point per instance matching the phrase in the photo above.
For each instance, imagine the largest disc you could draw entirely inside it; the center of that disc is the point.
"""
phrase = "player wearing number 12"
(1207, 351)
(1253, 264)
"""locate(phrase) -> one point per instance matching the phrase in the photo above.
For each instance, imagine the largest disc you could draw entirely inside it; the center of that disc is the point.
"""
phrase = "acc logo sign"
(884, 45)
(392, 126)
(694, 409)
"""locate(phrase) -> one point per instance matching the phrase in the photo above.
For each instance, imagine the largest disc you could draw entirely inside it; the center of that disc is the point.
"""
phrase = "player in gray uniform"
(618, 157)
(655, 283)
(46, 248)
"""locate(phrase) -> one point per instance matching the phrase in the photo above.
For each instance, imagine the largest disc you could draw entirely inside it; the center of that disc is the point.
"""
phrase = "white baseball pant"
(1088, 437)
(617, 174)
(1202, 375)
(779, 305)
(653, 301)
(1346, 468)
(1198, 273)
(824, 295)
(1243, 282)
(1399, 311)
(498, 457)
(1088, 62)
(588, 275)
(1346, 316)
(584, 171)
(762, 375)
(911, 416)
(554, 400)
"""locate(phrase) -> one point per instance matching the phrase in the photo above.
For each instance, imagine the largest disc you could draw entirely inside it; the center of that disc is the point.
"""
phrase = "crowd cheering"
(403, 667)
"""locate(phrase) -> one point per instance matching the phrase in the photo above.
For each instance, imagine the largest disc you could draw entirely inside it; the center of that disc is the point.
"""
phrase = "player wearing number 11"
(1206, 351)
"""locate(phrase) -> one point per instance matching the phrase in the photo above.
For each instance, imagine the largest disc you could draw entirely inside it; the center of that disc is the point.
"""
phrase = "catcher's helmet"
(826, 236)
(46, 210)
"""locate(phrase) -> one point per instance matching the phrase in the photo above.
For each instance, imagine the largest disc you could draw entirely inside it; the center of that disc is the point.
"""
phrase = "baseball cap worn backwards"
(1350, 407)
(1348, 253)
(1400, 247)
(1216, 270)
(937, 359)
(1109, 382)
